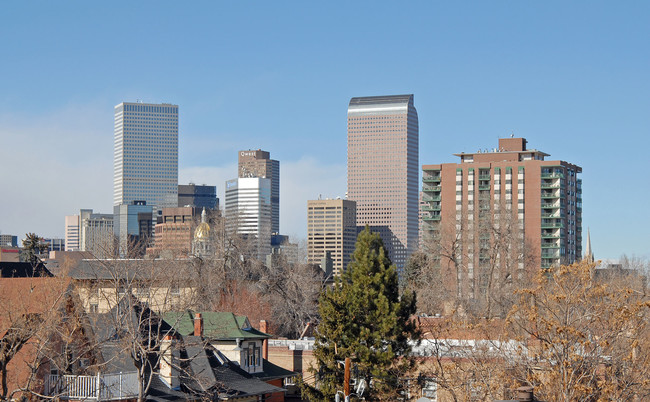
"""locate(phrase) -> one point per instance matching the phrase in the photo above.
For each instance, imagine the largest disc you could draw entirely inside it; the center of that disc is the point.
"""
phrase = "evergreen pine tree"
(364, 318)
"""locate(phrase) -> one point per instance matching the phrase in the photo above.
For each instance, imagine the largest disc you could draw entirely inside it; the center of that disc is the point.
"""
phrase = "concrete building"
(72, 233)
(54, 244)
(145, 159)
(507, 187)
(192, 195)
(133, 227)
(97, 234)
(259, 164)
(8, 240)
(173, 236)
(331, 227)
(248, 213)
(383, 170)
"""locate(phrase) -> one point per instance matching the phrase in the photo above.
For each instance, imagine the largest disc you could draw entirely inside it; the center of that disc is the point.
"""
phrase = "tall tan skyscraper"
(504, 212)
(383, 170)
(331, 226)
(259, 164)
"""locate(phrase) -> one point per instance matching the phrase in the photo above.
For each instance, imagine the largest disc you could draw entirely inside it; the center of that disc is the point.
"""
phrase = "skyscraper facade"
(145, 161)
(72, 233)
(383, 170)
(259, 164)
(133, 228)
(197, 196)
(248, 213)
(509, 197)
(331, 227)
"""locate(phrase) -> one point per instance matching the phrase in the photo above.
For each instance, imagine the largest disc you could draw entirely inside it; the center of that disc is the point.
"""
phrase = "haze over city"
(570, 78)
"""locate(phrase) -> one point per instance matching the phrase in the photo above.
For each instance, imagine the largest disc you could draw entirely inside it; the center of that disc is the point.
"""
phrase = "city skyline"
(568, 77)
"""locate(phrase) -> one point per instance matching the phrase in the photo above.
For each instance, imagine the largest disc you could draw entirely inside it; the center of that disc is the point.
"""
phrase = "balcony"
(550, 245)
(431, 217)
(429, 198)
(553, 225)
(431, 188)
(548, 205)
(554, 194)
(552, 235)
(431, 207)
(554, 175)
(554, 215)
(103, 387)
(551, 185)
(431, 179)
(551, 254)
(484, 177)
(483, 187)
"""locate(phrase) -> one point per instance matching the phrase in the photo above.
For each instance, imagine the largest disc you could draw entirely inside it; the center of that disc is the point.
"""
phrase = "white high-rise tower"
(145, 159)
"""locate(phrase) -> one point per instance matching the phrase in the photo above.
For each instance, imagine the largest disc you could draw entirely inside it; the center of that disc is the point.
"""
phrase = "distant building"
(9, 254)
(248, 213)
(540, 199)
(202, 244)
(8, 240)
(132, 227)
(383, 170)
(192, 195)
(90, 232)
(54, 245)
(97, 234)
(259, 164)
(72, 233)
(173, 236)
(146, 154)
(331, 228)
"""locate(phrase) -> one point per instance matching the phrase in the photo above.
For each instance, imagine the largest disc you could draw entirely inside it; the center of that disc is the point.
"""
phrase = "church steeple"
(589, 255)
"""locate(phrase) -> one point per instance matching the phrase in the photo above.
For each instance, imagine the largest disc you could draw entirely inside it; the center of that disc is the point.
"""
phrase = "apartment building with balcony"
(539, 199)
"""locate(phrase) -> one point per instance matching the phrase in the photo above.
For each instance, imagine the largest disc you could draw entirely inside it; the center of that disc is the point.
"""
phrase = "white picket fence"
(100, 387)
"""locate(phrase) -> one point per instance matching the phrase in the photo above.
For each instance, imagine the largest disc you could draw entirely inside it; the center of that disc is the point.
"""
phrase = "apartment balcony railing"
(551, 205)
(484, 187)
(553, 215)
(484, 177)
(554, 194)
(549, 225)
(431, 217)
(431, 179)
(431, 208)
(431, 188)
(552, 175)
(430, 198)
(105, 387)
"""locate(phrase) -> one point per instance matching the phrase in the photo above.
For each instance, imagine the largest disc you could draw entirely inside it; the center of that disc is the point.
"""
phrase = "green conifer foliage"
(364, 318)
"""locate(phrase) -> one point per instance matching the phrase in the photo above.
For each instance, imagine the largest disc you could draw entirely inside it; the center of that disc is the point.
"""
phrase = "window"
(430, 389)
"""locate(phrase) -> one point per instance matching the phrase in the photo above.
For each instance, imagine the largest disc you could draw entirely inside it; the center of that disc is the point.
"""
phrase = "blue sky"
(570, 77)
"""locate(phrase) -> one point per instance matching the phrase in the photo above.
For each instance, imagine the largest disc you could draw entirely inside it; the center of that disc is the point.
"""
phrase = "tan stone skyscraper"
(331, 227)
(259, 164)
(383, 169)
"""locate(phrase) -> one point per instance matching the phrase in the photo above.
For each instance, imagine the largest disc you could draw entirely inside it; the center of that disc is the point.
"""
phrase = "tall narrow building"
(145, 161)
(248, 214)
(331, 227)
(383, 170)
(501, 213)
(259, 164)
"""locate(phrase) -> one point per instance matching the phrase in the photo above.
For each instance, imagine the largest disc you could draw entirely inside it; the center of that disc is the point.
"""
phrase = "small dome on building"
(202, 231)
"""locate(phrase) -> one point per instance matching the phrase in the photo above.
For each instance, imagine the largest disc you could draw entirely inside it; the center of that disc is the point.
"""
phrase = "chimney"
(525, 394)
(198, 325)
(265, 343)
(168, 372)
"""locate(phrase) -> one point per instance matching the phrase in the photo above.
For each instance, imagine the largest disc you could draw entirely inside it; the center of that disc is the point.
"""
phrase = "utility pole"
(346, 378)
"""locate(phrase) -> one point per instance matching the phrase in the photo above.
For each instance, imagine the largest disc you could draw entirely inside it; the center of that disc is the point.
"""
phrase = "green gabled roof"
(216, 325)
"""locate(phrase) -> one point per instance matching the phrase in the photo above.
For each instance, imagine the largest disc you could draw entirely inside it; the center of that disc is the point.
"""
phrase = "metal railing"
(103, 387)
